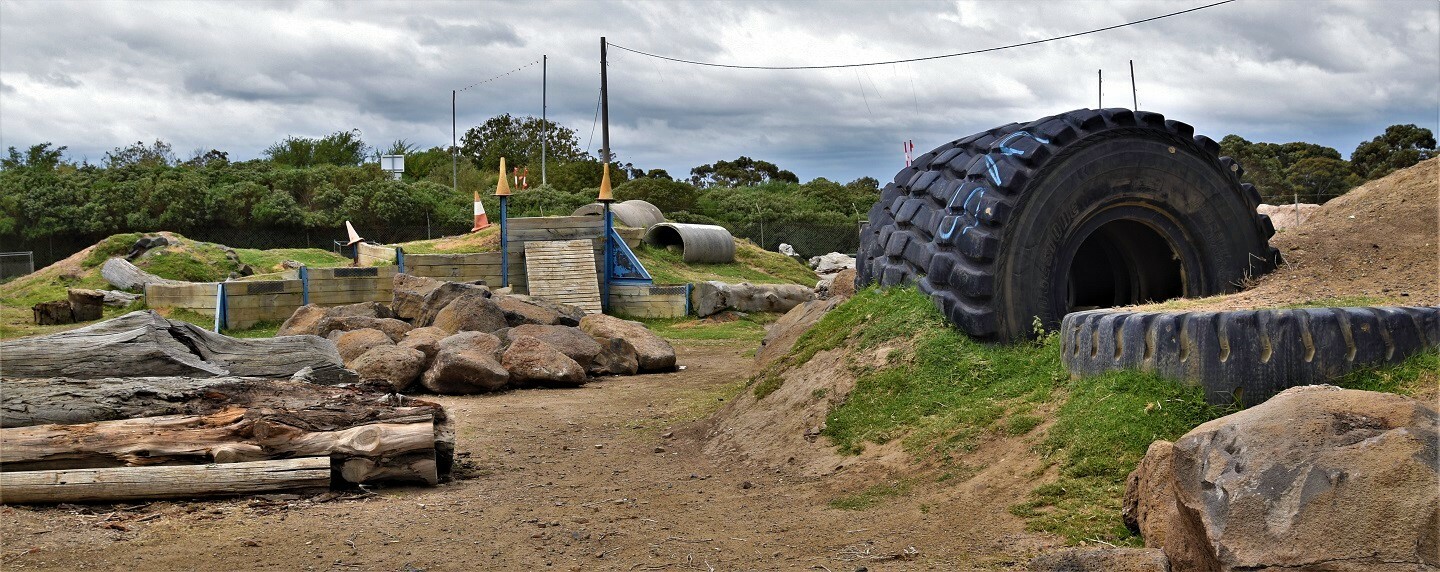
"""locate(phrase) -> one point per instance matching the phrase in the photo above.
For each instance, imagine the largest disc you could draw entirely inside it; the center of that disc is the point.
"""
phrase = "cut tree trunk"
(278, 405)
(401, 448)
(53, 313)
(86, 305)
(146, 344)
(133, 483)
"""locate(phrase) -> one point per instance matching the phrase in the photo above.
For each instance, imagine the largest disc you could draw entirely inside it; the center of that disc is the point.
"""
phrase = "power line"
(499, 76)
(908, 60)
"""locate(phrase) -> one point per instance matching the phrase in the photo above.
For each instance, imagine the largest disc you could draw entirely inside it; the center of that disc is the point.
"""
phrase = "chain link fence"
(808, 239)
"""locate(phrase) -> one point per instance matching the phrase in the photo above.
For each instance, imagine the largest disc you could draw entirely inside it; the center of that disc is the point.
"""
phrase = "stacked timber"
(79, 434)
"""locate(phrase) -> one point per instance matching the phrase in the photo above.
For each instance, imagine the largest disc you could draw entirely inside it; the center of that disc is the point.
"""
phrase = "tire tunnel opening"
(1123, 262)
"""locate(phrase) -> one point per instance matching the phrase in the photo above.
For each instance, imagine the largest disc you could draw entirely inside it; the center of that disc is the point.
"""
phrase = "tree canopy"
(1400, 146)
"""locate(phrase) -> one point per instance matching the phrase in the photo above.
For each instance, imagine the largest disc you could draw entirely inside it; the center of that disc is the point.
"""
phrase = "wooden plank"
(563, 271)
(184, 481)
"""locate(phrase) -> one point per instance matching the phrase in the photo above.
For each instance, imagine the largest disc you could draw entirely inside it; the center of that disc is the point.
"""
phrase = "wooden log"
(135, 483)
(301, 405)
(146, 344)
(126, 276)
(86, 305)
(229, 436)
(53, 313)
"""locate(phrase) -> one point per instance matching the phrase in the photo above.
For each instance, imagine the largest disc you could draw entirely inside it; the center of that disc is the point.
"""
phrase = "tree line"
(318, 183)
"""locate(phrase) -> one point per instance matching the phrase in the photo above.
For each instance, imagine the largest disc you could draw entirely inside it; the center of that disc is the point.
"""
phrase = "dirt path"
(582, 479)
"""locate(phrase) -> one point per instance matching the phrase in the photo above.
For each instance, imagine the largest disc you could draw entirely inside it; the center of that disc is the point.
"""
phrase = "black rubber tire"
(991, 226)
(1246, 356)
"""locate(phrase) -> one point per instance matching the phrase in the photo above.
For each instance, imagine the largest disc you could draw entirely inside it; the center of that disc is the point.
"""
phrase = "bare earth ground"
(563, 480)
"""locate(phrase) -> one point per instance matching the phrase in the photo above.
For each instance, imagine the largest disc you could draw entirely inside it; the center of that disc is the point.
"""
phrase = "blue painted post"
(219, 306)
(504, 241)
(400, 259)
(304, 285)
(609, 258)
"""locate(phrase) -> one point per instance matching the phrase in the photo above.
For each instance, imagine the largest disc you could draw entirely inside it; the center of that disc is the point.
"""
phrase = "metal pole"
(1134, 95)
(1100, 89)
(454, 169)
(604, 108)
(504, 244)
(609, 260)
(544, 127)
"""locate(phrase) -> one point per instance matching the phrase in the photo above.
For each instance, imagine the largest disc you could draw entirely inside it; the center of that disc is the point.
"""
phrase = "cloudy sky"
(238, 76)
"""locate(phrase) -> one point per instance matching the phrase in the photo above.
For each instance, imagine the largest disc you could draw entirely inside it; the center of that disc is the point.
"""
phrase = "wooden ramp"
(563, 271)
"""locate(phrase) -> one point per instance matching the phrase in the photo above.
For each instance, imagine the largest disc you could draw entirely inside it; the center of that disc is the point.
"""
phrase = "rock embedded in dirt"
(1317, 477)
(426, 339)
(397, 368)
(572, 342)
(713, 297)
(407, 297)
(471, 312)
(652, 353)
(616, 357)
(843, 284)
(305, 320)
(567, 315)
(519, 312)
(466, 364)
(832, 263)
(315, 320)
(1149, 503)
(534, 362)
(1101, 560)
(354, 343)
(440, 297)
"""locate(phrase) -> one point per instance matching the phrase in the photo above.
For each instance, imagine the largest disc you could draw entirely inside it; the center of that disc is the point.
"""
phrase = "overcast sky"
(238, 76)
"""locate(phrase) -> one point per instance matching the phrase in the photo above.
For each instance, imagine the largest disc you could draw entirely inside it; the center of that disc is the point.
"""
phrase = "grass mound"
(948, 394)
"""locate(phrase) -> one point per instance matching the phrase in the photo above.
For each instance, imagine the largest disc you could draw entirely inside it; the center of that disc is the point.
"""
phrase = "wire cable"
(499, 76)
(921, 59)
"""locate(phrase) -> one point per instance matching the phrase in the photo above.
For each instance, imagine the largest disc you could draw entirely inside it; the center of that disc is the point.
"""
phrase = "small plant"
(768, 385)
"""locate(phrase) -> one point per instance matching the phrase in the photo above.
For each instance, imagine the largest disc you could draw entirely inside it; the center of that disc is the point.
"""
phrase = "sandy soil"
(611, 476)
(1379, 241)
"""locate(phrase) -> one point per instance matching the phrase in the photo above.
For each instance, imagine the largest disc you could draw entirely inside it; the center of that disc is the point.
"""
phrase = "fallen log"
(134, 483)
(401, 448)
(121, 274)
(145, 343)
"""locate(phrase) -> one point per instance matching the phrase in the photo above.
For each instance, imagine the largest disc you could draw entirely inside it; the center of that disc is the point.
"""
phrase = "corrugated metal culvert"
(699, 242)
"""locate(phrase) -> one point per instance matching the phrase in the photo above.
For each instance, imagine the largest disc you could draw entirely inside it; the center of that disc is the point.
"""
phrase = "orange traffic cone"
(481, 220)
(354, 236)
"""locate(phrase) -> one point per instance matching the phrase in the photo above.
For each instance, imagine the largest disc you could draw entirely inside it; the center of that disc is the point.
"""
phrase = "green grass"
(750, 328)
(948, 393)
(752, 264)
(871, 496)
(113, 245)
(768, 385)
(264, 261)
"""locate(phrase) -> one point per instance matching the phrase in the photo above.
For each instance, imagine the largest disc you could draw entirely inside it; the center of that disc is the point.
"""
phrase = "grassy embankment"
(951, 393)
(184, 260)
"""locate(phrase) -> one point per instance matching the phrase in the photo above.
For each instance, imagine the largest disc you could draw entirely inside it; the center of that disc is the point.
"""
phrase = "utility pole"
(1135, 95)
(1100, 89)
(454, 169)
(544, 127)
(604, 107)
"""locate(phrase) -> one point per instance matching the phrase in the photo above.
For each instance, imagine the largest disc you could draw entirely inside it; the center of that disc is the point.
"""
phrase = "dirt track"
(564, 480)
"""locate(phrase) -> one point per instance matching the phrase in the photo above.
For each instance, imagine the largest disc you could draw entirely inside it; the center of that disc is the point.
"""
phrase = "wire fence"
(808, 239)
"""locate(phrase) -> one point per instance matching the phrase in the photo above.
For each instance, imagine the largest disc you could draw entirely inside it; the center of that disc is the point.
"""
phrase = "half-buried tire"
(1246, 356)
(1082, 210)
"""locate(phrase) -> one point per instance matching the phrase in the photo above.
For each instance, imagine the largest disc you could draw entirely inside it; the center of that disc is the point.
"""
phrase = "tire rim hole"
(1123, 262)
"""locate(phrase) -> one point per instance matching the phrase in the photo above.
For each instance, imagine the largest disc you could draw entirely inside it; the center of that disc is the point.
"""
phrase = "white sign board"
(393, 164)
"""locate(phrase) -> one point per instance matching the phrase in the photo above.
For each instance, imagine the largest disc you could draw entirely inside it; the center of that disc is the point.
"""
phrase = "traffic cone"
(354, 236)
(482, 221)
(605, 194)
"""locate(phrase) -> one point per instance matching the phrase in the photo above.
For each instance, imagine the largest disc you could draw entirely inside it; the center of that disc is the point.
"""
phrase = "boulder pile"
(461, 338)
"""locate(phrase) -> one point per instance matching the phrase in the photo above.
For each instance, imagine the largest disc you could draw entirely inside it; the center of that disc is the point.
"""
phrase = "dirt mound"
(1378, 244)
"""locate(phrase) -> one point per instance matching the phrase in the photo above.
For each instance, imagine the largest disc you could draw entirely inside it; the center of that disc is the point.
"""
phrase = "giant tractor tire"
(1082, 210)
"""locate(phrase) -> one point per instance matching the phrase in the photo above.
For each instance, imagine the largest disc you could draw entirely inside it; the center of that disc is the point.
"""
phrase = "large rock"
(572, 342)
(441, 296)
(1101, 560)
(842, 286)
(1151, 481)
(712, 297)
(362, 309)
(531, 362)
(393, 366)
(466, 364)
(472, 312)
(519, 312)
(396, 329)
(567, 314)
(831, 263)
(1316, 478)
(426, 339)
(408, 296)
(616, 357)
(304, 321)
(652, 353)
(354, 343)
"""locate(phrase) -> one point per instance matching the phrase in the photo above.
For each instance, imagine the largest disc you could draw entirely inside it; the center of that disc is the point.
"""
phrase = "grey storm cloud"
(240, 76)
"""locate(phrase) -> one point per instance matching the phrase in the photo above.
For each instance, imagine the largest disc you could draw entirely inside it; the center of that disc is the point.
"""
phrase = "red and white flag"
(907, 147)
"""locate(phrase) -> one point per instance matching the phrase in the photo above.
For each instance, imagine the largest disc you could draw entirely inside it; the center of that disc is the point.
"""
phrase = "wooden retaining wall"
(650, 301)
(370, 254)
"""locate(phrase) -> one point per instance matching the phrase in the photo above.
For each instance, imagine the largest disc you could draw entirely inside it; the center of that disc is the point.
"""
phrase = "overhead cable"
(921, 59)
(499, 76)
